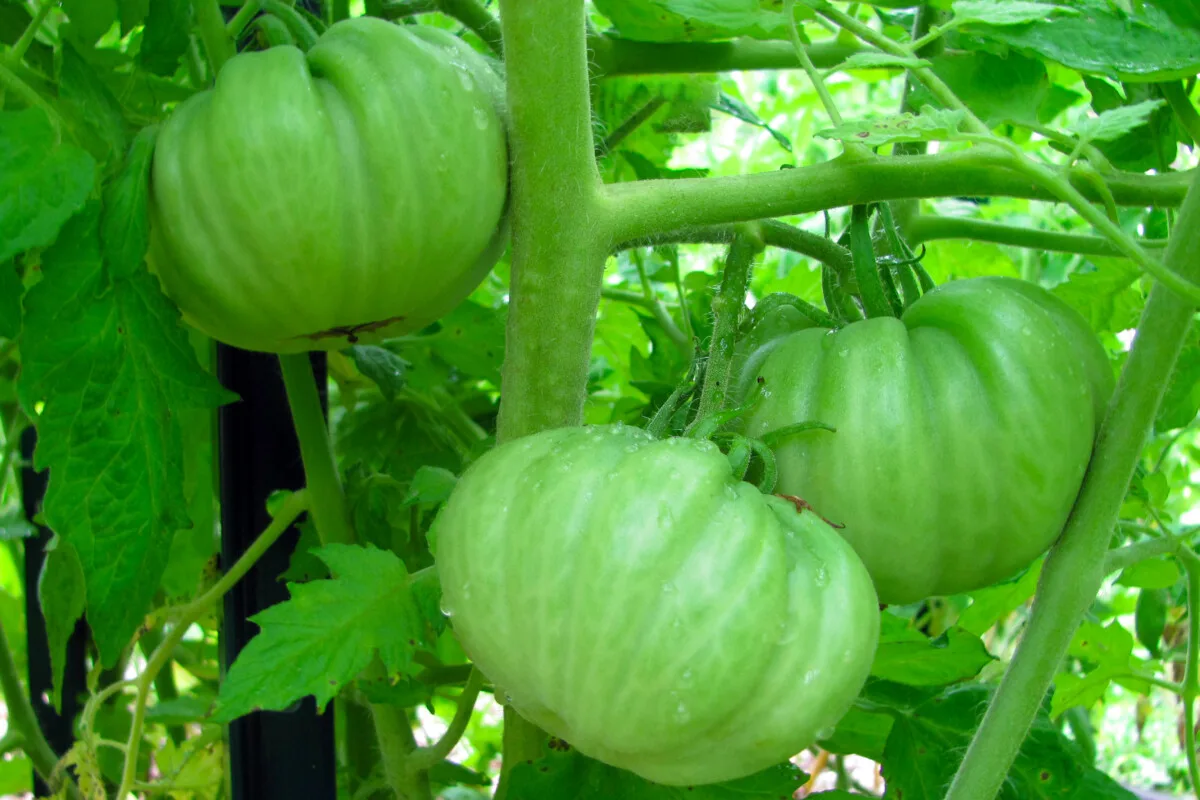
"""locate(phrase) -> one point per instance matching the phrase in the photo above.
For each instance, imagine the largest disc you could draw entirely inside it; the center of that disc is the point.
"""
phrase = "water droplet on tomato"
(810, 676)
(481, 119)
(682, 715)
(447, 609)
(668, 588)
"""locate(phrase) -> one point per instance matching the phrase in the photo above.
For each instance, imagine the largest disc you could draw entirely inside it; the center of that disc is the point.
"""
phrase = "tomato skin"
(963, 431)
(633, 598)
(312, 200)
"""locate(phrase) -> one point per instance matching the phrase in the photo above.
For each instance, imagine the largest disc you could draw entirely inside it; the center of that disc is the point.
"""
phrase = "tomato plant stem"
(653, 207)
(472, 14)
(928, 228)
(1191, 674)
(558, 235)
(21, 717)
(241, 19)
(22, 44)
(328, 504)
(1074, 569)
(293, 507)
(427, 757)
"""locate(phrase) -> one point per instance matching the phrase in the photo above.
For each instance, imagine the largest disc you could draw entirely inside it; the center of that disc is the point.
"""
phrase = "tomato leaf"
(564, 772)
(907, 656)
(1153, 573)
(91, 19)
(994, 603)
(96, 114)
(165, 38)
(61, 596)
(382, 366)
(42, 184)
(695, 20)
(328, 632)
(125, 221)
(929, 126)
(1150, 619)
(107, 356)
(10, 300)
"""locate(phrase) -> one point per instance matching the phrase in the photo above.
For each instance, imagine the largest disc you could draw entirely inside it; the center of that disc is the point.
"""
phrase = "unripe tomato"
(963, 430)
(630, 596)
(312, 200)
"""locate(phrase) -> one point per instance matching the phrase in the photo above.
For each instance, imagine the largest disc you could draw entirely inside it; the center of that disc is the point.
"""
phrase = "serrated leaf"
(328, 632)
(877, 60)
(165, 37)
(125, 221)
(1106, 650)
(11, 290)
(928, 126)
(564, 772)
(41, 183)
(1008, 12)
(1116, 122)
(62, 597)
(380, 365)
(1153, 573)
(94, 111)
(906, 656)
(111, 362)
(994, 603)
(696, 20)
(1104, 39)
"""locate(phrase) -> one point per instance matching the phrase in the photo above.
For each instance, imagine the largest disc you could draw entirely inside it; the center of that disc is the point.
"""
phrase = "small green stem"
(328, 504)
(292, 508)
(398, 9)
(472, 14)
(1073, 570)
(217, 44)
(1170, 686)
(933, 35)
(21, 717)
(789, 11)
(397, 746)
(241, 19)
(31, 30)
(1093, 153)
(727, 308)
(1185, 112)
(927, 228)
(655, 307)
(870, 287)
(424, 758)
(300, 28)
(1191, 682)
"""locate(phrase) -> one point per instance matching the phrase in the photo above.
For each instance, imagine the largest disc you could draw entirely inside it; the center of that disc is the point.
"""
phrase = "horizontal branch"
(647, 208)
(928, 228)
(612, 56)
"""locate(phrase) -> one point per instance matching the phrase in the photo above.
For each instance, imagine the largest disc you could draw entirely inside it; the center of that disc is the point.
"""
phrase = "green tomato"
(354, 192)
(963, 430)
(632, 597)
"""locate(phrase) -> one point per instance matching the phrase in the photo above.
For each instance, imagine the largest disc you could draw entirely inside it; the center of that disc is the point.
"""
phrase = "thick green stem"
(211, 24)
(558, 236)
(647, 208)
(1073, 571)
(727, 308)
(21, 717)
(927, 228)
(1191, 681)
(328, 504)
(560, 239)
(397, 745)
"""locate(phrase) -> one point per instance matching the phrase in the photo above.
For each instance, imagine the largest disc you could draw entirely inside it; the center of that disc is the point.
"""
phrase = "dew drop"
(682, 715)
(810, 676)
(481, 119)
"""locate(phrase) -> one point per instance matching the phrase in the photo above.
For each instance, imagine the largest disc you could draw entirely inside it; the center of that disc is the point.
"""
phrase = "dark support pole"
(58, 728)
(273, 755)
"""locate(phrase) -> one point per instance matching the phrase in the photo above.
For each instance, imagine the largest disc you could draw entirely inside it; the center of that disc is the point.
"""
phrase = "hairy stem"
(21, 717)
(1074, 569)
(727, 308)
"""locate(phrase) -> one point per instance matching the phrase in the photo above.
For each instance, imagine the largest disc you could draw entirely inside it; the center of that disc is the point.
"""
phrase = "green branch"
(1074, 568)
(31, 30)
(612, 56)
(927, 228)
(21, 717)
(641, 209)
(292, 508)
(1185, 112)
(1191, 683)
